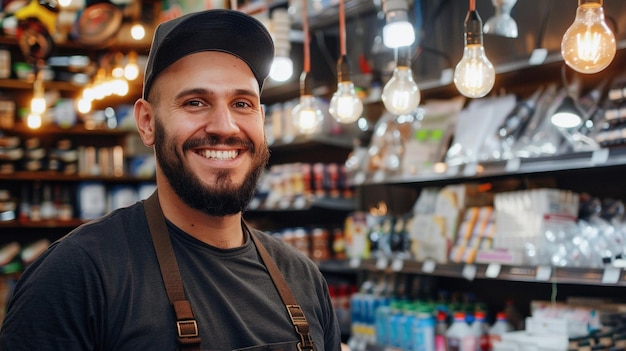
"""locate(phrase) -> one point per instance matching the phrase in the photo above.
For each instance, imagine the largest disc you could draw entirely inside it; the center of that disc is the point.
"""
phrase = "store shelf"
(21, 129)
(302, 205)
(603, 158)
(56, 176)
(610, 276)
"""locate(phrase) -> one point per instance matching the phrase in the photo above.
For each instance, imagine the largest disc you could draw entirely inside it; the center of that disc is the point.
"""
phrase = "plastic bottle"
(441, 327)
(499, 327)
(383, 315)
(480, 328)
(424, 330)
(459, 336)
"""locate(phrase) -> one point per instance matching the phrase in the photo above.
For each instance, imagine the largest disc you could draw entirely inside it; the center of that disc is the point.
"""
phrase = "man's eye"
(242, 104)
(194, 103)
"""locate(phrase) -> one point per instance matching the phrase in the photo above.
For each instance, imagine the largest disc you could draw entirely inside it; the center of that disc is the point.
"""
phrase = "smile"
(219, 154)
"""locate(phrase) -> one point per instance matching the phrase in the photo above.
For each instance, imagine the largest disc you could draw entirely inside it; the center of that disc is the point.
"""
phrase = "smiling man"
(182, 270)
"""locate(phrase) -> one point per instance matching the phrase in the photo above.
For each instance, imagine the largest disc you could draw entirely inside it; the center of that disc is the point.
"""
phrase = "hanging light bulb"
(38, 102)
(588, 45)
(345, 106)
(398, 31)
(137, 31)
(474, 75)
(131, 70)
(282, 66)
(401, 95)
(502, 23)
(306, 115)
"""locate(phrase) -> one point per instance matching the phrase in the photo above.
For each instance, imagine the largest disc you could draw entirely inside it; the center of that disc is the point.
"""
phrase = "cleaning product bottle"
(459, 335)
(480, 328)
(499, 327)
(441, 327)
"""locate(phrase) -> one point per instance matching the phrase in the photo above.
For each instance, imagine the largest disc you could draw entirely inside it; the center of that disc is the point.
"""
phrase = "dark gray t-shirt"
(100, 288)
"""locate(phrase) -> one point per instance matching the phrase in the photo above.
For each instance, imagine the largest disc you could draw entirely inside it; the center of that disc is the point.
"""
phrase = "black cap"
(229, 31)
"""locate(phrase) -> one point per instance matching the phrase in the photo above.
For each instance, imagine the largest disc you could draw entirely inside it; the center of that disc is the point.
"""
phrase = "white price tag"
(469, 272)
(543, 273)
(381, 263)
(452, 171)
(379, 176)
(611, 275)
(299, 203)
(513, 164)
(397, 265)
(470, 169)
(493, 270)
(600, 156)
(359, 178)
(429, 266)
(355, 262)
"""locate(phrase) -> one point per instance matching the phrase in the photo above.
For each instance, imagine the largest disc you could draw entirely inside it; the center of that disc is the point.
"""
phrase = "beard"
(224, 197)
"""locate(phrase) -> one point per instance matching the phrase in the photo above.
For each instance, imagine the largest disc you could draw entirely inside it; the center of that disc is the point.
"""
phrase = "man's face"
(209, 134)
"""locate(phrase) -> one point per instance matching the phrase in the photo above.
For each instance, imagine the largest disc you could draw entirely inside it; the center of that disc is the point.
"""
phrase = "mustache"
(213, 140)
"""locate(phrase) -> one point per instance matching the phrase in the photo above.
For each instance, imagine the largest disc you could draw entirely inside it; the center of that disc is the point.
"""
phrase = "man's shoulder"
(117, 226)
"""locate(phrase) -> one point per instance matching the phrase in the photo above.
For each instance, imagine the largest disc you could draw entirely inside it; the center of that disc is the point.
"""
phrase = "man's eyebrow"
(203, 91)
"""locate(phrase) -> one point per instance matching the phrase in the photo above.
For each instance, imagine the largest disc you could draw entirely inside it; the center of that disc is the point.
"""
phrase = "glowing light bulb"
(398, 34)
(38, 105)
(137, 31)
(282, 69)
(83, 105)
(306, 115)
(588, 45)
(131, 70)
(33, 120)
(345, 105)
(474, 75)
(398, 31)
(401, 95)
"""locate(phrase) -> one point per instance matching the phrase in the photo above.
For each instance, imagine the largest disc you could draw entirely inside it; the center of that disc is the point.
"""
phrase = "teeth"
(219, 155)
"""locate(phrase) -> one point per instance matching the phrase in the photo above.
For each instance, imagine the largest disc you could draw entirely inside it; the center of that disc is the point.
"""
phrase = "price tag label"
(599, 157)
(355, 262)
(452, 171)
(611, 275)
(513, 164)
(493, 270)
(429, 266)
(470, 169)
(299, 203)
(359, 178)
(469, 272)
(381, 263)
(379, 176)
(543, 273)
(397, 265)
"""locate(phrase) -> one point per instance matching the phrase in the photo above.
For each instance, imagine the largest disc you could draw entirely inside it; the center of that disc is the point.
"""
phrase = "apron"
(186, 325)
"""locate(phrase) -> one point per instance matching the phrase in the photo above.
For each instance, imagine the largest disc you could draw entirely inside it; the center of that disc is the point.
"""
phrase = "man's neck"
(222, 232)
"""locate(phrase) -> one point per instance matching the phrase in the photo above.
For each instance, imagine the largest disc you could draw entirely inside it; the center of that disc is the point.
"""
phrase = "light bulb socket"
(586, 2)
(403, 56)
(473, 28)
(343, 69)
(395, 5)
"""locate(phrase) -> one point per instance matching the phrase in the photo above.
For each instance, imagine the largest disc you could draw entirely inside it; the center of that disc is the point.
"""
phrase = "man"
(101, 288)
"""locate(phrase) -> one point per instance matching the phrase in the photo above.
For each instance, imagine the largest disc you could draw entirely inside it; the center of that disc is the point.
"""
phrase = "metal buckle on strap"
(184, 326)
(296, 314)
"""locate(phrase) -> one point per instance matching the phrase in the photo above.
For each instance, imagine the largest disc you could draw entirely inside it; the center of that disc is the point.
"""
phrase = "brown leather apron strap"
(295, 311)
(186, 325)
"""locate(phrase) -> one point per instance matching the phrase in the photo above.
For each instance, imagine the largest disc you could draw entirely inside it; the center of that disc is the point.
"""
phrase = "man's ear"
(144, 119)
